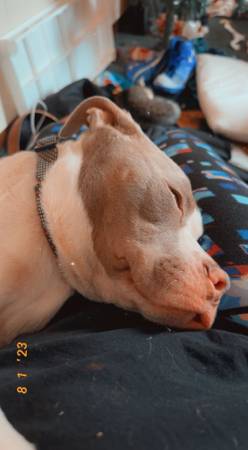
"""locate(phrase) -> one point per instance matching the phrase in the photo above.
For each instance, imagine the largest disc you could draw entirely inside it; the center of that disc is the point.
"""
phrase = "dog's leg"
(33, 316)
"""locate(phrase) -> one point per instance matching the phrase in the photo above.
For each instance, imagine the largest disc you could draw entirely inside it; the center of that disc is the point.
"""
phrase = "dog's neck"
(47, 154)
(66, 217)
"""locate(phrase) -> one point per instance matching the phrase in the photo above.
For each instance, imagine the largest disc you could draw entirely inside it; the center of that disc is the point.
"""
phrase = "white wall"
(14, 12)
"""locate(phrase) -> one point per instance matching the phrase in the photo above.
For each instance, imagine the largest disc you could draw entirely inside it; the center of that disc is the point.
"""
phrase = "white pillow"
(222, 85)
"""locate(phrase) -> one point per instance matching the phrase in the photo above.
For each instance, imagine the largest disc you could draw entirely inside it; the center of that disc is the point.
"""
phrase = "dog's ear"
(96, 112)
(96, 117)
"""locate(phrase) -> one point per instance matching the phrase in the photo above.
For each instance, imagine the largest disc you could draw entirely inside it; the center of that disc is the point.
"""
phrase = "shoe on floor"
(143, 71)
(180, 62)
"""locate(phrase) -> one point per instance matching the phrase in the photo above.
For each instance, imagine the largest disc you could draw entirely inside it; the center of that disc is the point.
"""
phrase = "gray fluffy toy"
(145, 106)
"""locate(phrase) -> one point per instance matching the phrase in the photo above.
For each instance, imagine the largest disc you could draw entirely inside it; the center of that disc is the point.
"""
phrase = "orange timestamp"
(21, 355)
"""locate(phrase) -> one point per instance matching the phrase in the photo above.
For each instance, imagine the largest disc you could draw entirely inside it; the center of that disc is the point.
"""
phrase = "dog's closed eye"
(178, 199)
(121, 264)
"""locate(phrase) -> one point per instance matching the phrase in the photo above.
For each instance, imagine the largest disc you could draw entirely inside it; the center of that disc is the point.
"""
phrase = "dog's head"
(144, 224)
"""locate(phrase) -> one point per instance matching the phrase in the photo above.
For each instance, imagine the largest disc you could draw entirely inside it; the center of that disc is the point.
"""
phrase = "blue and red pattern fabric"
(223, 200)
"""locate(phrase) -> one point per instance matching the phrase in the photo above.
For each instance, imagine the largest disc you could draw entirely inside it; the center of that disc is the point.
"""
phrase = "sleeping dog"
(114, 219)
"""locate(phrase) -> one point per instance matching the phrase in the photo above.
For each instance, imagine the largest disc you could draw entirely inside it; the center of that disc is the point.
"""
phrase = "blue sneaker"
(143, 71)
(180, 61)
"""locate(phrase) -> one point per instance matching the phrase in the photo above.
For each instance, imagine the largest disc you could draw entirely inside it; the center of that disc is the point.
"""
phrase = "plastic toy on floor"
(221, 8)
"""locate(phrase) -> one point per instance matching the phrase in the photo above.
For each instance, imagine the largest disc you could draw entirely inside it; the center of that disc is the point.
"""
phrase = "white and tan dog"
(123, 220)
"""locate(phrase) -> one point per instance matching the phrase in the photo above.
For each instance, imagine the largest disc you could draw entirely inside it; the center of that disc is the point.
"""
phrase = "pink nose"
(218, 282)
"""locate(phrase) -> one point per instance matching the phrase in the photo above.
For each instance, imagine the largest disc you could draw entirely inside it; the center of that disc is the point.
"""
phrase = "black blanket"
(102, 378)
